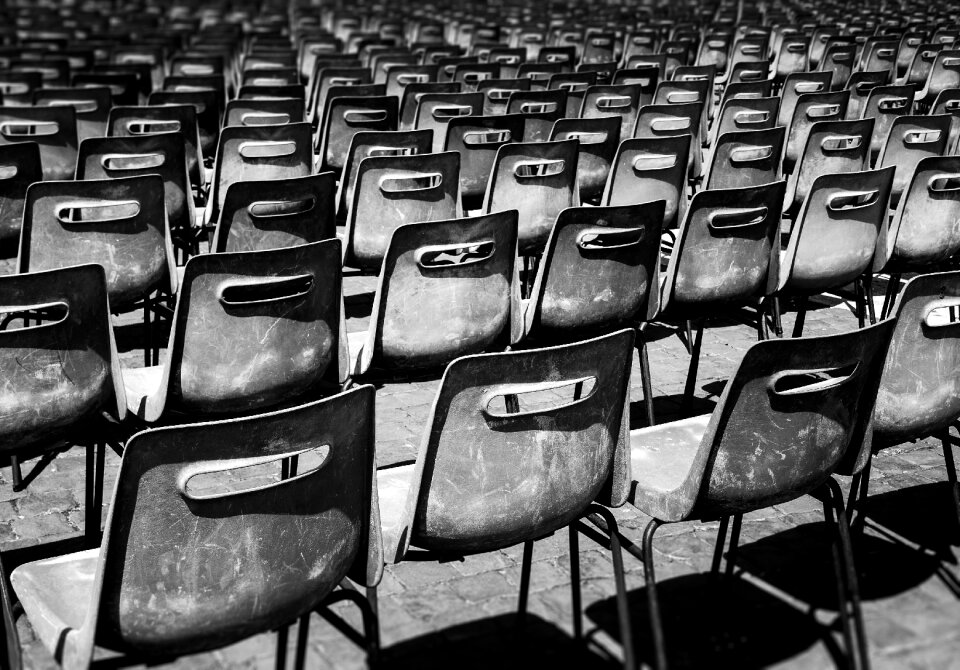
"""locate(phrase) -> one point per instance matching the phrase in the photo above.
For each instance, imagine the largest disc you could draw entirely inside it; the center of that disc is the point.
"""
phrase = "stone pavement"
(459, 613)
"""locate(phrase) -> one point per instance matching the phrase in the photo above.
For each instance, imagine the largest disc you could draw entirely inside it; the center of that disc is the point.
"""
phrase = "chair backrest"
(18, 87)
(670, 121)
(263, 112)
(746, 158)
(838, 60)
(447, 289)
(92, 106)
(120, 224)
(807, 401)
(600, 270)
(54, 129)
(157, 153)
(393, 190)
(910, 41)
(948, 102)
(206, 112)
(19, 167)
(410, 100)
(576, 85)
(831, 147)
(124, 86)
(918, 393)
(346, 115)
(741, 114)
(330, 77)
(727, 251)
(922, 63)
(599, 139)
(884, 104)
(860, 85)
(540, 110)
(300, 537)
(795, 85)
(253, 153)
(647, 169)
(613, 100)
(477, 139)
(63, 369)
(281, 310)
(688, 92)
(793, 55)
(944, 74)
(910, 139)
(543, 464)
(436, 110)
(497, 93)
(539, 179)
(276, 213)
(811, 108)
(398, 77)
(835, 237)
(925, 229)
(182, 119)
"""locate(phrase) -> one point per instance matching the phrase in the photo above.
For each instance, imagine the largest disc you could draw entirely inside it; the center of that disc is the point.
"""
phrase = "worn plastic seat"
(598, 141)
(544, 464)
(697, 91)
(613, 100)
(124, 86)
(540, 110)
(791, 414)
(838, 60)
(910, 139)
(745, 158)
(497, 93)
(477, 139)
(54, 129)
(447, 289)
(393, 190)
(791, 55)
(92, 105)
(435, 111)
(811, 108)
(647, 169)
(346, 115)
(19, 167)
(539, 179)
(398, 77)
(302, 536)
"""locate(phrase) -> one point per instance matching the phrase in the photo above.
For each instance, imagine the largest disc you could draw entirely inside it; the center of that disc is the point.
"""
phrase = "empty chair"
(599, 139)
(540, 110)
(860, 86)
(92, 106)
(398, 77)
(811, 108)
(344, 116)
(539, 179)
(410, 100)
(944, 74)
(576, 85)
(688, 92)
(206, 112)
(613, 100)
(948, 102)
(795, 85)
(831, 147)
(884, 104)
(670, 121)
(447, 289)
(838, 60)
(263, 112)
(497, 93)
(393, 190)
(647, 169)
(301, 536)
(745, 158)
(792, 56)
(921, 64)
(19, 167)
(251, 330)
(276, 213)
(835, 237)
(543, 465)
(910, 139)
(435, 110)
(54, 129)
(741, 114)
(790, 415)
(181, 119)
(477, 139)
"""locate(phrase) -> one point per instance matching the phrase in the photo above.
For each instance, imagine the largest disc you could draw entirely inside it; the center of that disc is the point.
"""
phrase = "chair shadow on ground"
(496, 643)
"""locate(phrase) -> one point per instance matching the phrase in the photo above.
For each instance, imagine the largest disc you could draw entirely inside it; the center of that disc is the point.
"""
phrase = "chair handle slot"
(534, 169)
(544, 397)
(584, 138)
(344, 81)
(500, 93)
(573, 86)
(263, 119)
(264, 290)
(262, 209)
(750, 118)
(944, 182)
(928, 55)
(29, 128)
(693, 77)
(600, 238)
(147, 126)
(9, 171)
(475, 77)
(180, 88)
(360, 116)
(267, 149)
(493, 136)
(538, 107)
(942, 312)
(848, 200)
(391, 151)
(951, 62)
(750, 49)
(208, 487)
(97, 211)
(538, 75)
(451, 111)
(410, 182)
(752, 75)
(14, 88)
(51, 313)
(654, 162)
(458, 254)
(892, 103)
(805, 382)
(196, 69)
(842, 56)
(670, 123)
(807, 87)
(921, 136)
(407, 79)
(822, 111)
(81, 106)
(613, 101)
(885, 53)
(796, 47)
(506, 59)
(131, 161)
(914, 41)
(729, 218)
(751, 154)
(681, 97)
(952, 105)
(841, 142)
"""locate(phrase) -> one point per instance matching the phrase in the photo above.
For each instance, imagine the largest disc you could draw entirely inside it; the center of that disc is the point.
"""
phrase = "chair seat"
(139, 384)
(661, 458)
(393, 484)
(55, 593)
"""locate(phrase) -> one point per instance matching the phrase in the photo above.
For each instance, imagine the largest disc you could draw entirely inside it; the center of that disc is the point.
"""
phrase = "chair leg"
(303, 632)
(371, 627)
(575, 581)
(653, 604)
(858, 522)
(868, 296)
(623, 607)
(718, 548)
(93, 502)
(801, 316)
(524, 583)
(734, 544)
(893, 287)
(777, 321)
(951, 472)
(861, 303)
(646, 380)
(687, 407)
(281, 660)
(16, 473)
(147, 334)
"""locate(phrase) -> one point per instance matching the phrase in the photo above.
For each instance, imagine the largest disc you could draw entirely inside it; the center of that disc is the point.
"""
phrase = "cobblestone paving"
(780, 613)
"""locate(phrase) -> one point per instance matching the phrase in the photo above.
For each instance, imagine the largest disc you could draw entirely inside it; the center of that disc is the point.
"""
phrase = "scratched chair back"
(622, 100)
(795, 85)
(92, 106)
(539, 179)
(811, 108)
(54, 129)
(393, 190)
(576, 85)
(276, 213)
(912, 138)
(727, 251)
(447, 289)
(745, 158)
(477, 139)
(497, 92)
(832, 147)
(846, 214)
(548, 423)
(600, 270)
(410, 99)
(741, 114)
(860, 85)
(598, 141)
(540, 110)
(884, 105)
(647, 169)
(19, 167)
(118, 223)
(688, 92)
(333, 77)
(180, 119)
(838, 60)
(436, 110)
(346, 115)
(669, 121)
(944, 74)
(263, 112)
(206, 112)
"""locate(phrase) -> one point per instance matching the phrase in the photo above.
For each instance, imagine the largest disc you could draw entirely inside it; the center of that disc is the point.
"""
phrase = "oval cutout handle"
(147, 126)
(648, 162)
(410, 182)
(682, 97)
(942, 312)
(407, 79)
(750, 118)
(535, 169)
(551, 388)
(492, 136)
(841, 142)
(600, 238)
(81, 106)
(670, 124)
(921, 136)
(848, 200)
(730, 218)
(344, 81)
(807, 87)
(805, 382)
(264, 119)
(945, 182)
(475, 77)
(693, 77)
(892, 104)
(264, 290)
(131, 161)
(752, 75)
(391, 151)
(9, 171)
(361, 116)
(751, 154)
(29, 128)
(454, 255)
(263, 209)
(500, 94)
(613, 102)
(97, 211)
(451, 111)
(573, 86)
(584, 137)
(750, 49)
(539, 107)
(822, 111)
(267, 149)
(951, 62)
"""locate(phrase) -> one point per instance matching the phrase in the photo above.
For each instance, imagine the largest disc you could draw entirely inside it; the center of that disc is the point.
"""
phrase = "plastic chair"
(669, 121)
(206, 111)
(948, 102)
(345, 116)
(811, 108)
(447, 289)
(647, 169)
(845, 214)
(795, 85)
(576, 85)
(398, 77)
(477, 139)
(497, 93)
(302, 536)
(63, 384)
(276, 213)
(540, 110)
(435, 110)
(393, 190)
(19, 167)
(831, 147)
(745, 158)
(860, 85)
(764, 444)
(922, 63)
(543, 466)
(599, 139)
(838, 60)
(280, 310)
(622, 101)
(792, 56)
(54, 129)
(92, 106)
(410, 100)
(910, 139)
(884, 104)
(944, 74)
(539, 179)
(742, 114)
(18, 87)
(263, 112)
(124, 86)
(688, 92)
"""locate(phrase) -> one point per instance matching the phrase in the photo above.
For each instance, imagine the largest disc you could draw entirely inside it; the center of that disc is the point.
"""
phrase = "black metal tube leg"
(575, 581)
(281, 662)
(777, 321)
(868, 296)
(691, 384)
(623, 607)
(893, 287)
(89, 495)
(372, 627)
(16, 474)
(303, 632)
(951, 474)
(861, 303)
(647, 382)
(801, 317)
(734, 544)
(147, 333)
(718, 548)
(656, 623)
(524, 583)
